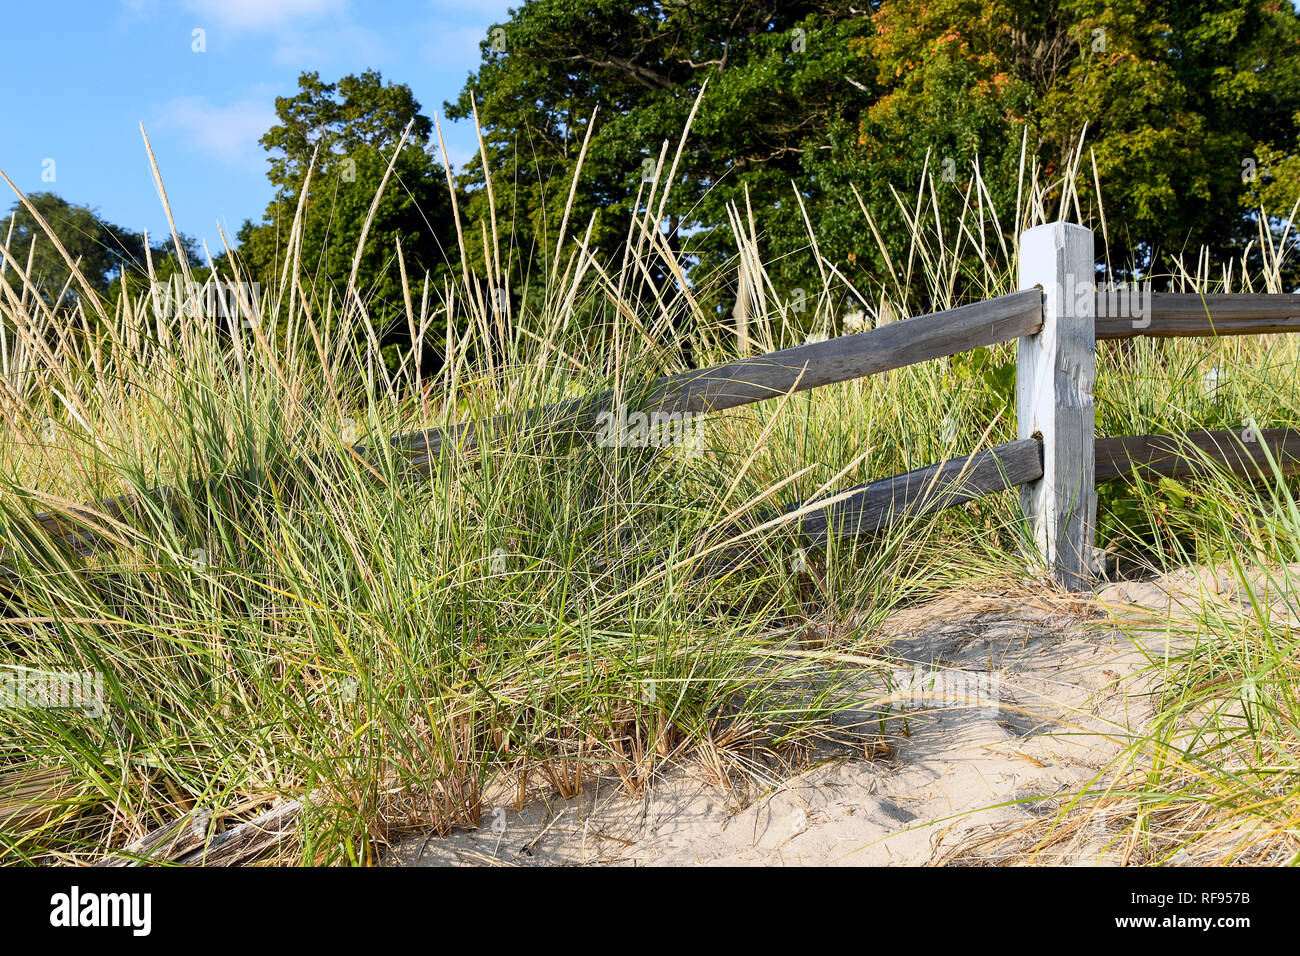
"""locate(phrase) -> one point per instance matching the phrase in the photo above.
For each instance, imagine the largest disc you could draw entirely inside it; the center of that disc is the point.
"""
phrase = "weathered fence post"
(1055, 370)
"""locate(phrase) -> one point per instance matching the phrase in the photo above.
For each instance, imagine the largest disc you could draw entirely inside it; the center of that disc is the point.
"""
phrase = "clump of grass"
(1215, 779)
(305, 612)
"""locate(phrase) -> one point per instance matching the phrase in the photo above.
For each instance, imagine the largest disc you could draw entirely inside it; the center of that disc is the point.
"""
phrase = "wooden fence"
(1056, 460)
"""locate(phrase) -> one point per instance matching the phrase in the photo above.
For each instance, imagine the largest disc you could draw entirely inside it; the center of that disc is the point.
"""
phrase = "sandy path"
(1063, 693)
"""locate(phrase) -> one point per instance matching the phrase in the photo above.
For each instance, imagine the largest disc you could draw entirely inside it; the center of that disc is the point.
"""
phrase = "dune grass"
(299, 619)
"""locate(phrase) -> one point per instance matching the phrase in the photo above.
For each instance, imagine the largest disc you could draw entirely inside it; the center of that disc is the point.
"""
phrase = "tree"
(780, 77)
(1175, 97)
(353, 128)
(101, 248)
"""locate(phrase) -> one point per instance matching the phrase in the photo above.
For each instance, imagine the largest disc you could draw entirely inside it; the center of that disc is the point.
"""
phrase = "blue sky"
(93, 71)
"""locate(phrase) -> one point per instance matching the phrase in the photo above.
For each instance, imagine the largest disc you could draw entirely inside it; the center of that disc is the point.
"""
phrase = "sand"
(1056, 688)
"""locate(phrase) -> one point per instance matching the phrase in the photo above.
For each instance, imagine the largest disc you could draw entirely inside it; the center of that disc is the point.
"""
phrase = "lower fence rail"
(1238, 451)
(879, 504)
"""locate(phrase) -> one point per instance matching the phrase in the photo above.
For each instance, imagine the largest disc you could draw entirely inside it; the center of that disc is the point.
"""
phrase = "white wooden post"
(1055, 371)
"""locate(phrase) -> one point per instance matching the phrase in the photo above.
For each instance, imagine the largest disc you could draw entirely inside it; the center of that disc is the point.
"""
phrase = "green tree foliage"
(777, 86)
(1178, 99)
(353, 128)
(111, 258)
(101, 248)
(1174, 96)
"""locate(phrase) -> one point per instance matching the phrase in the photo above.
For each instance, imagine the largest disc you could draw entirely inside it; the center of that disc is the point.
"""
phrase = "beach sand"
(944, 783)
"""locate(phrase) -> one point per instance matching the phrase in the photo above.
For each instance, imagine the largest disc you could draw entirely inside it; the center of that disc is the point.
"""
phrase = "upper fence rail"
(907, 342)
(762, 377)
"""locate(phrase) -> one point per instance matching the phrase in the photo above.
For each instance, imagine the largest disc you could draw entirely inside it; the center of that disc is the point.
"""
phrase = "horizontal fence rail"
(1240, 452)
(1183, 314)
(730, 385)
(1056, 461)
(764, 377)
(92, 527)
(879, 504)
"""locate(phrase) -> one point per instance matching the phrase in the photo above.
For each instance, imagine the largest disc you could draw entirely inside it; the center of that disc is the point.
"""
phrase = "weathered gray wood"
(1177, 314)
(1055, 370)
(879, 504)
(30, 797)
(849, 356)
(724, 386)
(86, 529)
(768, 376)
(164, 844)
(1179, 456)
(80, 527)
(248, 841)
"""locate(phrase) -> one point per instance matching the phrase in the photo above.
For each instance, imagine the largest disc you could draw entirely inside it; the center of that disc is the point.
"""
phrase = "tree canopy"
(1178, 99)
(353, 128)
(777, 90)
(101, 248)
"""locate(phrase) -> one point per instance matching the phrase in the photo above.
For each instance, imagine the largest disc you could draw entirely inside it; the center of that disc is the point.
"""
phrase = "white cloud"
(454, 48)
(140, 8)
(262, 14)
(310, 50)
(229, 133)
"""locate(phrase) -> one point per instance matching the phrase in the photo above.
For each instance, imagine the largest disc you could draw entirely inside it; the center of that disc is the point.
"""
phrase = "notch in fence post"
(1055, 371)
